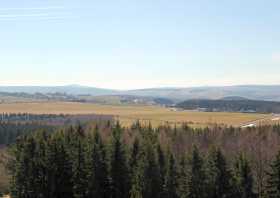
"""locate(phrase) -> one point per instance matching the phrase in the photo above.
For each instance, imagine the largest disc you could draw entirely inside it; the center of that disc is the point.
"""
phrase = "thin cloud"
(34, 13)
(39, 18)
(24, 15)
(32, 8)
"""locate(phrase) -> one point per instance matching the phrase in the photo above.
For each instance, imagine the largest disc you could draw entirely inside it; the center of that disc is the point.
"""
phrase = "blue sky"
(129, 44)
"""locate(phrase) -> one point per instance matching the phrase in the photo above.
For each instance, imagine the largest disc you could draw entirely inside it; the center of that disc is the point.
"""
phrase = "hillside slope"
(69, 89)
(254, 92)
(249, 106)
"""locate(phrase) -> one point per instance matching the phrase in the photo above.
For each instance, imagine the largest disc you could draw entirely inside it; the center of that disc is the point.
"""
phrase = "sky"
(129, 44)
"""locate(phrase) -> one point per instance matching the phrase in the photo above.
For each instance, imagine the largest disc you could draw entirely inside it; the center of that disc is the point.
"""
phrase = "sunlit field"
(129, 114)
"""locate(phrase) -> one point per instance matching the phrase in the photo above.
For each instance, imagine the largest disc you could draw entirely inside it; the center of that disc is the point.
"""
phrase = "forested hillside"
(232, 105)
(107, 160)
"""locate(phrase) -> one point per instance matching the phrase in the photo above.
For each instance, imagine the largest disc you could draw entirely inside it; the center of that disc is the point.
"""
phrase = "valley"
(128, 114)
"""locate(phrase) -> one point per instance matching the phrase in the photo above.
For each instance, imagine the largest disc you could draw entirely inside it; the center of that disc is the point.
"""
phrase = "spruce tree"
(273, 183)
(40, 165)
(162, 168)
(196, 177)
(59, 177)
(118, 166)
(23, 183)
(98, 184)
(79, 172)
(243, 178)
(31, 168)
(152, 188)
(182, 178)
(137, 170)
(171, 185)
(134, 156)
(219, 176)
(73, 140)
(19, 169)
(137, 182)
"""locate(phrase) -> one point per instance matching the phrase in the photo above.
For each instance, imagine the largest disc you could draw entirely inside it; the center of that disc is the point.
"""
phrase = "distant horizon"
(163, 87)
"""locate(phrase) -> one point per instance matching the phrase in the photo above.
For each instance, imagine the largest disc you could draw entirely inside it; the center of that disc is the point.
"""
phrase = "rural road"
(270, 118)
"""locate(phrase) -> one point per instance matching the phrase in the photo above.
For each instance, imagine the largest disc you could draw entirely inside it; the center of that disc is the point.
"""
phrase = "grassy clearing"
(128, 114)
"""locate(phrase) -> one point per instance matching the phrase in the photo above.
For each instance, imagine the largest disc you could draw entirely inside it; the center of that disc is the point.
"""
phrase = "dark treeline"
(232, 105)
(53, 119)
(10, 131)
(15, 125)
(142, 162)
(25, 117)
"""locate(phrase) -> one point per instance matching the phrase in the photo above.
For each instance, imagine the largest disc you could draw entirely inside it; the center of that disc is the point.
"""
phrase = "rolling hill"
(69, 89)
(252, 92)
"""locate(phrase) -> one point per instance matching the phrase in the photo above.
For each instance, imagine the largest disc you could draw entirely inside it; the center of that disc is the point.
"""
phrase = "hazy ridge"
(254, 92)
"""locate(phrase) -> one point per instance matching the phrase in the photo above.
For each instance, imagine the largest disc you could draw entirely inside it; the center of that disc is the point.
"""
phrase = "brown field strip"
(128, 114)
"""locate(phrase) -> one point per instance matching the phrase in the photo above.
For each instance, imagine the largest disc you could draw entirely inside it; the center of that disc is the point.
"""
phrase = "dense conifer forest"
(108, 160)
(238, 105)
(16, 125)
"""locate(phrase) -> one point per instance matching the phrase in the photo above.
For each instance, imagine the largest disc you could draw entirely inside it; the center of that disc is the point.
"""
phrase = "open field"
(128, 114)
